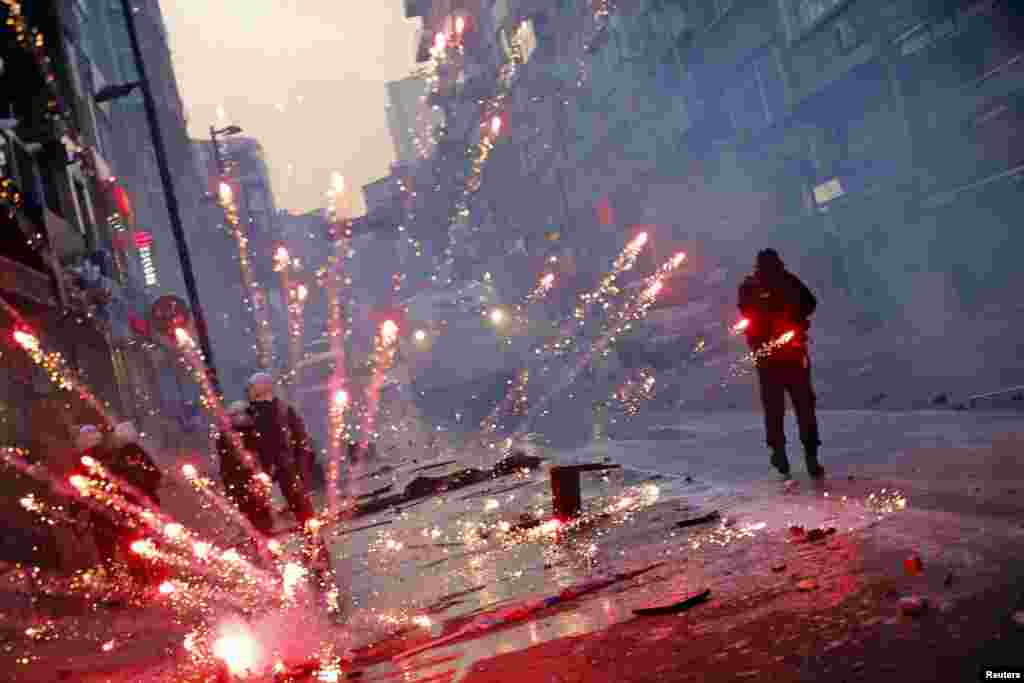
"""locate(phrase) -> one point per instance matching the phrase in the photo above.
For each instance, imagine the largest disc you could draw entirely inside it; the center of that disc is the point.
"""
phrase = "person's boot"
(814, 468)
(780, 462)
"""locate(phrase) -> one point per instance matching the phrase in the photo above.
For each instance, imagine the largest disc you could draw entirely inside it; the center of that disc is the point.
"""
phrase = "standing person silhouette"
(777, 305)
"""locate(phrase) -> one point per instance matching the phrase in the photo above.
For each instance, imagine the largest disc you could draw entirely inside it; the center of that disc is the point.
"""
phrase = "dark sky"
(308, 83)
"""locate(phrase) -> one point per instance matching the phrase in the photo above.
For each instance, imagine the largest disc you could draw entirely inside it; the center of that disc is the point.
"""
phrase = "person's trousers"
(258, 513)
(295, 492)
(777, 378)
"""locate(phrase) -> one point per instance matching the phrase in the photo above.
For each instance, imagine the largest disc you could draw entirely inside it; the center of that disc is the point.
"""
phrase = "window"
(808, 13)
(719, 8)
(757, 95)
(846, 35)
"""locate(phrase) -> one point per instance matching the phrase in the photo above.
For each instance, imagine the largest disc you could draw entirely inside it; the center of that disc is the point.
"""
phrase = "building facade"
(857, 137)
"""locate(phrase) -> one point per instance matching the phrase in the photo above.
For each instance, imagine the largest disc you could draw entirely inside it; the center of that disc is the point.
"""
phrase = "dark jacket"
(236, 475)
(132, 464)
(775, 302)
(280, 440)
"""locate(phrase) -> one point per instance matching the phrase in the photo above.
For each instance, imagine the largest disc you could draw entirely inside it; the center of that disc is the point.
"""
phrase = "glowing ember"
(80, 483)
(460, 25)
(786, 337)
(182, 336)
(238, 649)
(337, 182)
(143, 547)
(640, 240)
(26, 340)
(497, 316)
(440, 42)
(341, 398)
(292, 577)
(174, 530)
(226, 195)
(551, 526)
(741, 326)
(189, 471)
(496, 125)
(89, 461)
(302, 292)
(274, 546)
(420, 335)
(202, 549)
(388, 332)
(166, 588)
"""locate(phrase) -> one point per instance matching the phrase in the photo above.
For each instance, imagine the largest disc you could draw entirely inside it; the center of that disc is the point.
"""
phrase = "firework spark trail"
(569, 327)
(264, 347)
(109, 492)
(54, 364)
(633, 310)
(517, 397)
(294, 294)
(339, 233)
(104, 494)
(259, 483)
(384, 358)
(635, 390)
(544, 286)
(606, 285)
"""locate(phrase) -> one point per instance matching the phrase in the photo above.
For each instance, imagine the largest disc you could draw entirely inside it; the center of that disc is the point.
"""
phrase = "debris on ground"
(673, 607)
(807, 585)
(913, 605)
(703, 519)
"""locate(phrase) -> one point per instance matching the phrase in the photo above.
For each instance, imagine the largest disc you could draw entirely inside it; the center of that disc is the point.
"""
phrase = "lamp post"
(173, 210)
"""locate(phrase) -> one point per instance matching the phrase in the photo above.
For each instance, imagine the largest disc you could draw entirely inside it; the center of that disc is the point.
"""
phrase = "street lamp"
(171, 198)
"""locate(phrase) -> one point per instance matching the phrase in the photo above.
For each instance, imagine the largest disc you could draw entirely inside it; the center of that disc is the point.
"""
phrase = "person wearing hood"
(775, 305)
(282, 445)
(237, 475)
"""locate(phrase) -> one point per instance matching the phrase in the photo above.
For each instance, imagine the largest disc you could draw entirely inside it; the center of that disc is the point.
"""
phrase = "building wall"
(859, 137)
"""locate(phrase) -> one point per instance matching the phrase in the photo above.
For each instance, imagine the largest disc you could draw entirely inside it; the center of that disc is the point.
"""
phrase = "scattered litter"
(703, 519)
(797, 534)
(913, 605)
(807, 585)
(815, 535)
(670, 608)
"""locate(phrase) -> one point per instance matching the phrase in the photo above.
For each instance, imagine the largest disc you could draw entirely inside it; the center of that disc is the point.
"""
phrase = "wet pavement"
(456, 563)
